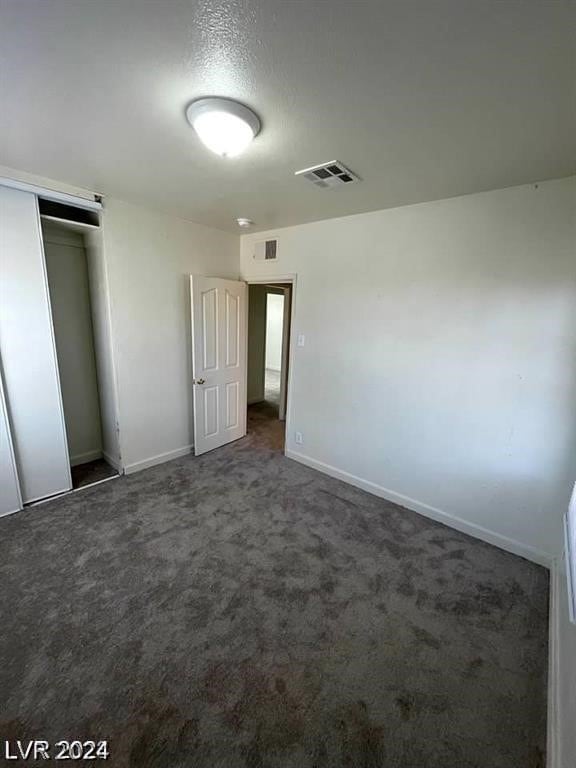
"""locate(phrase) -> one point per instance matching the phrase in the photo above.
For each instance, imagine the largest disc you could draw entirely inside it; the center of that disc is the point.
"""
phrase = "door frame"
(284, 361)
(288, 279)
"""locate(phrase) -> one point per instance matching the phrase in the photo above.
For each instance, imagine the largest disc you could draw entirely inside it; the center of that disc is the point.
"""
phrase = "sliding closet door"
(28, 352)
(10, 499)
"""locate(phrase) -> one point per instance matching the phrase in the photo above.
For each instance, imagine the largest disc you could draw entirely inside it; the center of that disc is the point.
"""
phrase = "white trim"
(83, 458)
(11, 512)
(51, 194)
(42, 499)
(286, 317)
(269, 279)
(159, 459)
(497, 539)
(62, 494)
(92, 484)
(570, 553)
(553, 719)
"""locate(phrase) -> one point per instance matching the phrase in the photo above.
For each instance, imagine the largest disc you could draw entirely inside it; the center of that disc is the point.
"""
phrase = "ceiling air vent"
(328, 175)
(266, 250)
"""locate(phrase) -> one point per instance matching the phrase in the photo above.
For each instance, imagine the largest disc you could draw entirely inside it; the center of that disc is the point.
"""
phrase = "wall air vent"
(266, 250)
(328, 175)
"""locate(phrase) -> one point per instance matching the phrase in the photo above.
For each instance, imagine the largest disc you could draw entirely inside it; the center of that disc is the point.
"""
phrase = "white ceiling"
(423, 99)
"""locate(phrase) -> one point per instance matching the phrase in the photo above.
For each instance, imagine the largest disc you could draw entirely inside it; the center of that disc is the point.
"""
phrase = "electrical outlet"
(298, 438)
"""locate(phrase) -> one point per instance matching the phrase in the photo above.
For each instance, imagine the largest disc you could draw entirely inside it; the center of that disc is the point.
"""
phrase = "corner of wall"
(96, 247)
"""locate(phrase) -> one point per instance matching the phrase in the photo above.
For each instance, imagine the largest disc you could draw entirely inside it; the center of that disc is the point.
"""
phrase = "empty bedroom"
(288, 383)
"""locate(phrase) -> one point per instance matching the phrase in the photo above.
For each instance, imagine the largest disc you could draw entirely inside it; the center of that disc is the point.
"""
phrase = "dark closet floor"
(91, 472)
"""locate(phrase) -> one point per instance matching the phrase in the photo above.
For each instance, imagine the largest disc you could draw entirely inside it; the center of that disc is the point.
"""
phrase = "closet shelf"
(76, 226)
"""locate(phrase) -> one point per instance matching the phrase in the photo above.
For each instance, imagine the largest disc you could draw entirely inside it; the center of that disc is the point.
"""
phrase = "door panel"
(232, 404)
(232, 329)
(210, 329)
(218, 361)
(31, 381)
(209, 396)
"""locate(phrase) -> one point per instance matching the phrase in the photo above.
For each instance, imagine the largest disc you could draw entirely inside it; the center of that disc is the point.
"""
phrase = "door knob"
(198, 381)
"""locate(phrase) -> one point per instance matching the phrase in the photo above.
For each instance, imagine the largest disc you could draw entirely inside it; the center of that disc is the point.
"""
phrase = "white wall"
(67, 271)
(274, 321)
(149, 259)
(440, 343)
(103, 333)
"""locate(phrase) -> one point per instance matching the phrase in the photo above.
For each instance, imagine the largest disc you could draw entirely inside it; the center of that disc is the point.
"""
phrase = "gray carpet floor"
(272, 386)
(239, 609)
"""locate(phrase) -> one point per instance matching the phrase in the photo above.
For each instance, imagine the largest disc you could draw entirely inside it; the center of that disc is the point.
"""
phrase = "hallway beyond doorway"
(272, 388)
(264, 428)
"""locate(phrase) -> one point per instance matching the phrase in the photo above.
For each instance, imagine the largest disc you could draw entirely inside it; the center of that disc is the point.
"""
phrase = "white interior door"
(30, 370)
(219, 330)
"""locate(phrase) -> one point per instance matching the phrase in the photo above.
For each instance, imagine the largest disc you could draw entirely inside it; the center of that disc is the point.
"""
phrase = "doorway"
(69, 283)
(269, 313)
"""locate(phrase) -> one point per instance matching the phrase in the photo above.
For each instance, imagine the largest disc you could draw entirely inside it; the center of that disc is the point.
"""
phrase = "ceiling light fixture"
(226, 127)
(244, 223)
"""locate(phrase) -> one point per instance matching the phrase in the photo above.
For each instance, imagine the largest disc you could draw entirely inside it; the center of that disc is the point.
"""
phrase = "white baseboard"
(159, 459)
(553, 729)
(82, 458)
(497, 539)
(113, 461)
(255, 400)
(10, 512)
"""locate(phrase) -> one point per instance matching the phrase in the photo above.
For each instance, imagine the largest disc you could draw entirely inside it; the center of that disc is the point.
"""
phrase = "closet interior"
(58, 422)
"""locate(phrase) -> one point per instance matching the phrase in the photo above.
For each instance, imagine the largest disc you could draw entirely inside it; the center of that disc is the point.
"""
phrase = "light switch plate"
(301, 340)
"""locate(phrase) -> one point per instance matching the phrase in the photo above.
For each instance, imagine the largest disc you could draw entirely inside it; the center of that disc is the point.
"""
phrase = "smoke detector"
(328, 175)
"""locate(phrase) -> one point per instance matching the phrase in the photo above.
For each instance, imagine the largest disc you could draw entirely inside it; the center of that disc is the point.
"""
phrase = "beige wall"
(440, 345)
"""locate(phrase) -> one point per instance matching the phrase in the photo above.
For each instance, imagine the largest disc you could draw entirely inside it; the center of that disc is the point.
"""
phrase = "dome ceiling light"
(225, 126)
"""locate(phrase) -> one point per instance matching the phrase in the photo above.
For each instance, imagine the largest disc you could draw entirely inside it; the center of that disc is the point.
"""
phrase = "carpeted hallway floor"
(239, 609)
(272, 386)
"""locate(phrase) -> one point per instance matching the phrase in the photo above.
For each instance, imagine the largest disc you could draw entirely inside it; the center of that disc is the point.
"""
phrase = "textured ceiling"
(423, 99)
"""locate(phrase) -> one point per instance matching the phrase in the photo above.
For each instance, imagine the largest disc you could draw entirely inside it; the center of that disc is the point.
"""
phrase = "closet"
(58, 423)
